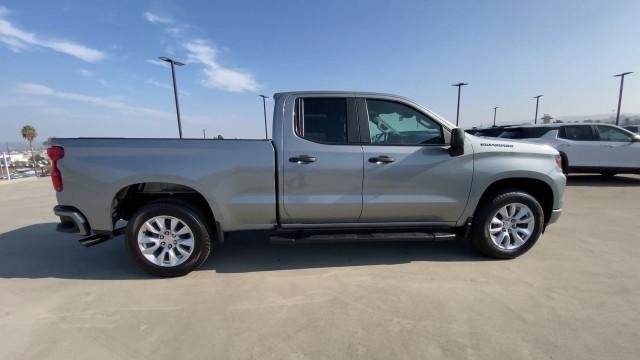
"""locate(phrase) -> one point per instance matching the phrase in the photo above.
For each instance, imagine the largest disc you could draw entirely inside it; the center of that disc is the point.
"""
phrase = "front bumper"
(555, 215)
(71, 220)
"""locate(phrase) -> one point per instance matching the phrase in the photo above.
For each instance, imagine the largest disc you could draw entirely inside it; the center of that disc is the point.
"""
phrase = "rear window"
(323, 120)
(525, 133)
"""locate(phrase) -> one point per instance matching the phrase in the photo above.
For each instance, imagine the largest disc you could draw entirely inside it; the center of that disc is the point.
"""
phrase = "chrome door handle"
(302, 159)
(382, 159)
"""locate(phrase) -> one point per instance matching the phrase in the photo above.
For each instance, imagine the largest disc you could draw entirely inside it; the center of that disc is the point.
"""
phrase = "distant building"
(546, 119)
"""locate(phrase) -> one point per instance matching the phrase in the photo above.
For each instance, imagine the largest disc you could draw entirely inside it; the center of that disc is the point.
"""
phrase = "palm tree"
(30, 133)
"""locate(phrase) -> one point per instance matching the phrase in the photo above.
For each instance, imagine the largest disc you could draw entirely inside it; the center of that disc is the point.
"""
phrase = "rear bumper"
(71, 220)
(555, 215)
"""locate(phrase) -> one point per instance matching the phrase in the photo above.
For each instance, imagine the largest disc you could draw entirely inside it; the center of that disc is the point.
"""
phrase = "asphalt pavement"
(575, 295)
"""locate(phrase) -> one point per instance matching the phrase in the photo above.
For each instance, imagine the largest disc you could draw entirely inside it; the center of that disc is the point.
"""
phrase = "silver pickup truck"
(342, 166)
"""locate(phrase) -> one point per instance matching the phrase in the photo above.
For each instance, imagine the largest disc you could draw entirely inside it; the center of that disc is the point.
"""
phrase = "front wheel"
(507, 225)
(168, 238)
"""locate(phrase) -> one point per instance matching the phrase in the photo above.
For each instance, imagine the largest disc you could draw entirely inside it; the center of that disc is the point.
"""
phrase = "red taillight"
(56, 153)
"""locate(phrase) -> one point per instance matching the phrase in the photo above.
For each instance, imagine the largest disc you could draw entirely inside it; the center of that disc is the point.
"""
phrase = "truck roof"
(342, 92)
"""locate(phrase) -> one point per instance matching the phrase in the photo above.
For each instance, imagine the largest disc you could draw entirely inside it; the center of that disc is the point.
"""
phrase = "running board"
(301, 238)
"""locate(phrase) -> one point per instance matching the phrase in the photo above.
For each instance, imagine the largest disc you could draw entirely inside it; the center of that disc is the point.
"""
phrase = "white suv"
(586, 148)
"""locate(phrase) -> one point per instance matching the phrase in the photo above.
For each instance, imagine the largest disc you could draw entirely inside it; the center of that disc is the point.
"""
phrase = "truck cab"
(366, 160)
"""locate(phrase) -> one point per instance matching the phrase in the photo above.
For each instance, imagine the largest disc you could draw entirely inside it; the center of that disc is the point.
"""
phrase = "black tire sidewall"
(482, 238)
(202, 240)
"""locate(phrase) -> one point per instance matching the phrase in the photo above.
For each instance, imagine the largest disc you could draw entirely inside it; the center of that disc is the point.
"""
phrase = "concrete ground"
(575, 295)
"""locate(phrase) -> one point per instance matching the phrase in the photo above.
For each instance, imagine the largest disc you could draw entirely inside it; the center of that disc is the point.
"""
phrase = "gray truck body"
(254, 185)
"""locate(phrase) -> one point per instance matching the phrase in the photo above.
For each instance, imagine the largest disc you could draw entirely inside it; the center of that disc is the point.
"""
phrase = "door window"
(609, 133)
(576, 132)
(322, 120)
(392, 123)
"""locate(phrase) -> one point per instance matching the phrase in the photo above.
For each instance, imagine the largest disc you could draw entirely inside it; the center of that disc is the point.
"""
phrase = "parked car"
(486, 132)
(633, 128)
(586, 148)
(342, 166)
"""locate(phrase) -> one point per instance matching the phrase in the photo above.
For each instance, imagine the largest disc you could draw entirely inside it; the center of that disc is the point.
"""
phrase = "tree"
(30, 133)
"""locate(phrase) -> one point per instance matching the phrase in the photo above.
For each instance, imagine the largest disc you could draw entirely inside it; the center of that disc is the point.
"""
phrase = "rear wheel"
(168, 238)
(507, 225)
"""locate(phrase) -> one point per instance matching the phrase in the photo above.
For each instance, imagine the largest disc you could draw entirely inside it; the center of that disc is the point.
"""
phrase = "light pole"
(175, 88)
(535, 117)
(264, 109)
(459, 85)
(204, 134)
(495, 110)
(622, 75)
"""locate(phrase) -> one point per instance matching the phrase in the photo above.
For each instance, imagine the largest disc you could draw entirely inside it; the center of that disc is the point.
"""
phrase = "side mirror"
(457, 142)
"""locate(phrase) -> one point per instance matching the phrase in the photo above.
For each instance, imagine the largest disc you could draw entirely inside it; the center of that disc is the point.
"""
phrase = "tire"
(191, 242)
(513, 246)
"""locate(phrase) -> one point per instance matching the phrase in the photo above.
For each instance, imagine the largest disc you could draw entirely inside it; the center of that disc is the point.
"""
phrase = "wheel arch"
(130, 198)
(537, 188)
(565, 162)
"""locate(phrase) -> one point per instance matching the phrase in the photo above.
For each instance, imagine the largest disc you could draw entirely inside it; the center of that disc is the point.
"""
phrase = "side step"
(302, 238)
(93, 240)
(96, 239)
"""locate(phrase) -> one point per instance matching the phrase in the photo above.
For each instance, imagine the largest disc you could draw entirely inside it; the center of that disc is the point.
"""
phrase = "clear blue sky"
(84, 68)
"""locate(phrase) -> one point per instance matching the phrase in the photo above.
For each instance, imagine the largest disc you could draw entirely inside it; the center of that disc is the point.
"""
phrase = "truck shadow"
(602, 181)
(243, 254)
(38, 251)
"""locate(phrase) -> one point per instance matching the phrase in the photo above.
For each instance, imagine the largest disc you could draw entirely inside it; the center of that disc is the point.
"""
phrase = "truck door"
(409, 175)
(322, 162)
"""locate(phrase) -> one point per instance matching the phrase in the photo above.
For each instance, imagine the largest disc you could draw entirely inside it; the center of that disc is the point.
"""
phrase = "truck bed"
(238, 174)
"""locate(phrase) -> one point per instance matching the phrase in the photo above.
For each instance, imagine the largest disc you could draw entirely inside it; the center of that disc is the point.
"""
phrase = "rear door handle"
(302, 159)
(382, 159)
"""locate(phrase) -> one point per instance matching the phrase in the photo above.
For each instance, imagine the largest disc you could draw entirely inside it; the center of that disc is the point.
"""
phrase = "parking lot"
(575, 295)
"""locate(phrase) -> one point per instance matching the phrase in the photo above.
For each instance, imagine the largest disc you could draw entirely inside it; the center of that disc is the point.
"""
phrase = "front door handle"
(302, 159)
(382, 159)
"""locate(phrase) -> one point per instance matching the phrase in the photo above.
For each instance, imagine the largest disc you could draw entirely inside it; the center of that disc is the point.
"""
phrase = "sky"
(90, 68)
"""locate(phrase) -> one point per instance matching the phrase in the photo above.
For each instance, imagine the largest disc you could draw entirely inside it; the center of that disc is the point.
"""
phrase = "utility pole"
(459, 85)
(264, 109)
(495, 110)
(204, 134)
(175, 88)
(535, 117)
(622, 75)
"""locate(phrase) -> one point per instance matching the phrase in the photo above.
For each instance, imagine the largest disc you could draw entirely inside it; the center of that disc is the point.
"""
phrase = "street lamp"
(175, 88)
(459, 85)
(622, 75)
(535, 118)
(264, 109)
(495, 110)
